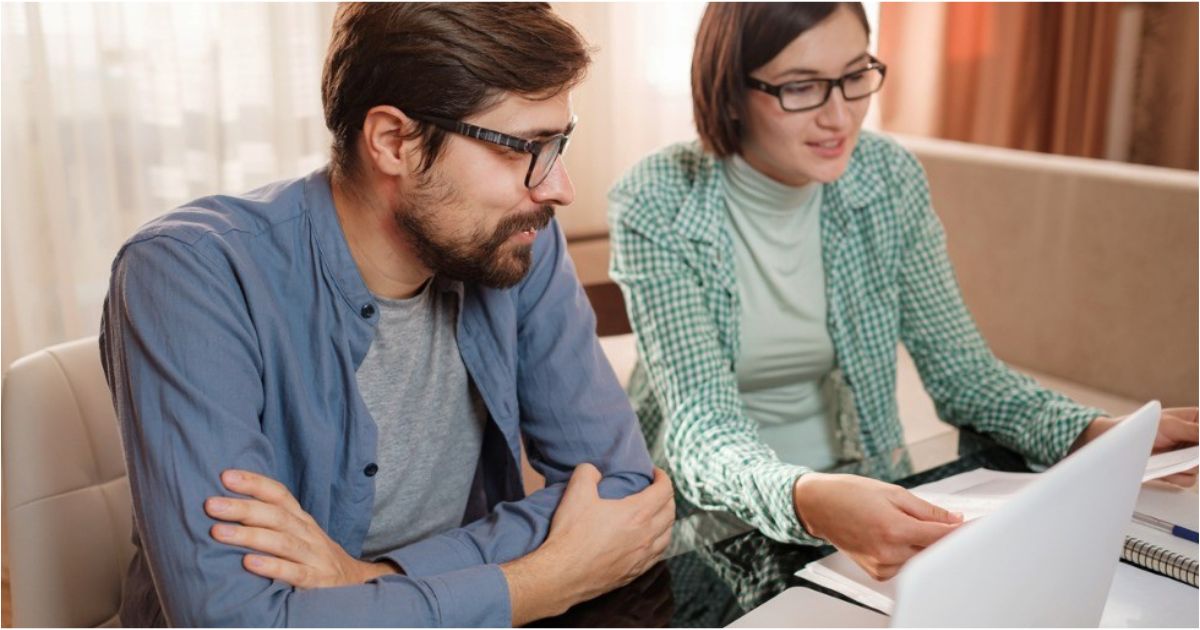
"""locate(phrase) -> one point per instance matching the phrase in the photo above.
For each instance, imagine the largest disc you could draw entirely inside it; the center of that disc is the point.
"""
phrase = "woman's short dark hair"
(449, 60)
(735, 39)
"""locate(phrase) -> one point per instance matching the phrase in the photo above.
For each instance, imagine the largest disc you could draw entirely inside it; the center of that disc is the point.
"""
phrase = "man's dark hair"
(734, 39)
(450, 60)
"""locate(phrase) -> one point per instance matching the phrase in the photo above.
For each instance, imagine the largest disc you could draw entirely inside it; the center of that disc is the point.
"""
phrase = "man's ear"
(387, 144)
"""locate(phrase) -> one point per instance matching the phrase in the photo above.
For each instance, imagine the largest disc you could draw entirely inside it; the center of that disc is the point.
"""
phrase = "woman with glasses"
(769, 272)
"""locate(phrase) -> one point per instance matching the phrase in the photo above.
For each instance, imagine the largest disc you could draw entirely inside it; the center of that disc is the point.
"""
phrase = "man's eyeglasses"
(800, 96)
(542, 153)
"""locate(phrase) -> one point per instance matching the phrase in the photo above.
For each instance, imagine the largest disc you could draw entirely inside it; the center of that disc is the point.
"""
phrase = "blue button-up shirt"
(230, 338)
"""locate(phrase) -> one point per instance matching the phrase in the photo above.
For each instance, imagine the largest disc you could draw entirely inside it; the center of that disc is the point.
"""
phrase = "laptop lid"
(1047, 557)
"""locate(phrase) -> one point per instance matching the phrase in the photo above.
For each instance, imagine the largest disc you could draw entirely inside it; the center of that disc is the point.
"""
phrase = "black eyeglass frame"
(532, 147)
(777, 90)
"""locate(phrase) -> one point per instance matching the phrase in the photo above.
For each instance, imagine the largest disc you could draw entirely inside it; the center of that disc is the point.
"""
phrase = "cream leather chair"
(66, 496)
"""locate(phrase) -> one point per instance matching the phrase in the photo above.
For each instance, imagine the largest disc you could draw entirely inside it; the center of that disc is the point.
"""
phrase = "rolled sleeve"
(969, 385)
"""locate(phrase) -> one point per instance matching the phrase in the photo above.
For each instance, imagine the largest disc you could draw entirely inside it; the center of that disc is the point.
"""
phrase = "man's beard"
(478, 259)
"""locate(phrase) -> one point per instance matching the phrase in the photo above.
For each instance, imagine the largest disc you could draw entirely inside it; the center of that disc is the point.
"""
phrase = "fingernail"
(223, 531)
(234, 476)
(255, 561)
(218, 505)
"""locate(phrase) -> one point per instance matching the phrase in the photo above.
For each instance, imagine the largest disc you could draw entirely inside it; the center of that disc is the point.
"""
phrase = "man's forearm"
(513, 530)
(536, 587)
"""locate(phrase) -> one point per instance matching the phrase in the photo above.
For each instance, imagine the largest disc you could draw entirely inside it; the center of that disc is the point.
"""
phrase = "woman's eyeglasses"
(799, 96)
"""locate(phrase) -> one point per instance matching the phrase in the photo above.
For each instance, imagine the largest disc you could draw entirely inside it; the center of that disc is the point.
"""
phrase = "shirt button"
(371, 469)
(368, 311)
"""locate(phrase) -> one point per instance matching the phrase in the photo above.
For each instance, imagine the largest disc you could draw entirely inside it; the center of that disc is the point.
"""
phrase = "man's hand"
(270, 521)
(879, 525)
(646, 602)
(1177, 428)
(594, 546)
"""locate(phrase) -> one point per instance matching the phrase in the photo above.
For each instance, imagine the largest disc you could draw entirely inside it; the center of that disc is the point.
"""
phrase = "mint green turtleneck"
(786, 350)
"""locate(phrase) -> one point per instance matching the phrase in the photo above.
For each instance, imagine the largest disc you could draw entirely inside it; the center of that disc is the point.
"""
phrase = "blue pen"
(1170, 528)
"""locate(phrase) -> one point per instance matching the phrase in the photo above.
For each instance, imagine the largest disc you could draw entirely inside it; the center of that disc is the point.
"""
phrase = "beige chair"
(66, 496)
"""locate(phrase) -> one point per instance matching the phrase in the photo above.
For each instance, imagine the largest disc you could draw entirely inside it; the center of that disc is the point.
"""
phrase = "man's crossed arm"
(595, 545)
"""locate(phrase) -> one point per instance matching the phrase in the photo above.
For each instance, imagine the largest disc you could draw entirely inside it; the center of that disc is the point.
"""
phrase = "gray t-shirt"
(429, 414)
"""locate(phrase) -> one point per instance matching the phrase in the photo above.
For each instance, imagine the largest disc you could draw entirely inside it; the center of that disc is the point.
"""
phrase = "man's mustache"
(535, 220)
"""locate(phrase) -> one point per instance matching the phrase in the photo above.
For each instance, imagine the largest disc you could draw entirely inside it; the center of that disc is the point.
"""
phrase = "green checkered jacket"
(888, 281)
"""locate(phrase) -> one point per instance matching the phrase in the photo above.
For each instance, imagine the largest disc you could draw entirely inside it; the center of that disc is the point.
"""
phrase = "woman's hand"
(879, 525)
(1177, 428)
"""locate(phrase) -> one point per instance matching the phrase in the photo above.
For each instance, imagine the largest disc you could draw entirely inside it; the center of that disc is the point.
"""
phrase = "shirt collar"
(699, 217)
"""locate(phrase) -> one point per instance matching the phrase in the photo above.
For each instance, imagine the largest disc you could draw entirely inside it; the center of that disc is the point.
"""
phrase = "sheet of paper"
(1172, 462)
(980, 492)
(1141, 599)
(993, 482)
(970, 507)
(800, 607)
(975, 493)
(1137, 599)
(839, 573)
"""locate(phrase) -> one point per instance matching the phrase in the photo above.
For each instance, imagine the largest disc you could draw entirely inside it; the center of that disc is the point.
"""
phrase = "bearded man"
(323, 384)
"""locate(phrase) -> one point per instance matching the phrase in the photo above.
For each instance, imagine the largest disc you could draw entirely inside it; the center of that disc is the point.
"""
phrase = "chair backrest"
(66, 496)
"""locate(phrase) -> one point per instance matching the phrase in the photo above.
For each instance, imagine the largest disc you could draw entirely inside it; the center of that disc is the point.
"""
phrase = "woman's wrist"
(1092, 431)
(802, 498)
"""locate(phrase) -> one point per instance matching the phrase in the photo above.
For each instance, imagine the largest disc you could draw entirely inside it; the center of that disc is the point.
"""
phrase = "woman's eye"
(799, 89)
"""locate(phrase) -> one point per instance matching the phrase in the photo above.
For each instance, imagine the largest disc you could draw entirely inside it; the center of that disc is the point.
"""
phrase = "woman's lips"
(828, 148)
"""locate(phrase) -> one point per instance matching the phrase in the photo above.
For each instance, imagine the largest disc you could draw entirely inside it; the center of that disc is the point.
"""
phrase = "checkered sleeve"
(713, 451)
(968, 384)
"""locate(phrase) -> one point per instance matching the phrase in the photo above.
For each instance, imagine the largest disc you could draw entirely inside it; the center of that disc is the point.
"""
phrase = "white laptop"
(1045, 558)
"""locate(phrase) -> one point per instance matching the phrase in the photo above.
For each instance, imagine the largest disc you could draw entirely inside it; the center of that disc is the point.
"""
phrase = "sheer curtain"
(115, 113)
(635, 100)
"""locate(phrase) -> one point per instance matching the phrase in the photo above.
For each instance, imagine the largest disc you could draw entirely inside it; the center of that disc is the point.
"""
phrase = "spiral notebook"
(1156, 550)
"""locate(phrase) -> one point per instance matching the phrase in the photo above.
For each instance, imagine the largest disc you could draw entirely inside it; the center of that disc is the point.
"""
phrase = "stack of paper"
(839, 573)
(1172, 462)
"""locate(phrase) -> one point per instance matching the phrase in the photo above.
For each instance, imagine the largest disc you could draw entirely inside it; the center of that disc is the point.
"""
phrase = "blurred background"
(1060, 141)
(114, 113)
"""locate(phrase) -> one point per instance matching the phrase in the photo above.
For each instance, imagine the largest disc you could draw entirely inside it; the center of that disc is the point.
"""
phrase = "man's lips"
(529, 232)
(524, 236)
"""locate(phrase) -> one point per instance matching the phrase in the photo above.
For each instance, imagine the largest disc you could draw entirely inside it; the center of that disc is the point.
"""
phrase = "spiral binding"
(1163, 561)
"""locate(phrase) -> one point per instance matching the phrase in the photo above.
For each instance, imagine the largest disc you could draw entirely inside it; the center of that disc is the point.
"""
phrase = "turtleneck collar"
(761, 193)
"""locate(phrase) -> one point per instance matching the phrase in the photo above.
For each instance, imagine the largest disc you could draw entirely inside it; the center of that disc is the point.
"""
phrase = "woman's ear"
(387, 141)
